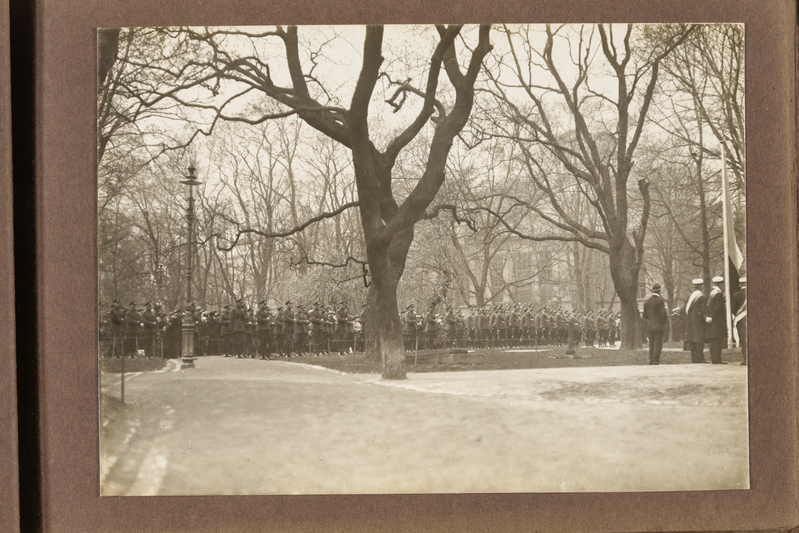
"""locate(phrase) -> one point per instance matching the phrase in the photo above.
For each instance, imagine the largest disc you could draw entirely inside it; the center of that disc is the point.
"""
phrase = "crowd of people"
(506, 326)
(703, 320)
(289, 331)
(235, 331)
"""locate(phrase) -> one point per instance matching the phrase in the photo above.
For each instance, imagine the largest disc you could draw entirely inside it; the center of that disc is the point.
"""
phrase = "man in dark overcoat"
(694, 315)
(238, 323)
(264, 330)
(656, 316)
(716, 332)
(738, 306)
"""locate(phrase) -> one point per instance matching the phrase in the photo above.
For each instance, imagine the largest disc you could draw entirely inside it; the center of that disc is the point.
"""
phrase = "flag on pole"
(734, 256)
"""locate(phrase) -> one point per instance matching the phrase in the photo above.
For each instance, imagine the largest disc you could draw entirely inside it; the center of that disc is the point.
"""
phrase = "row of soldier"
(506, 326)
(236, 331)
(240, 331)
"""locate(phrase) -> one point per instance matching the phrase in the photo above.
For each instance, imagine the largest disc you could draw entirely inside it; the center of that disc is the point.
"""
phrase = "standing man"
(317, 323)
(278, 338)
(738, 306)
(224, 331)
(264, 332)
(149, 323)
(656, 316)
(430, 327)
(238, 322)
(288, 328)
(694, 315)
(716, 333)
(300, 330)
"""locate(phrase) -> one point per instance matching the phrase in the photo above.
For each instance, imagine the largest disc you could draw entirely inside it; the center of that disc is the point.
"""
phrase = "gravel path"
(243, 426)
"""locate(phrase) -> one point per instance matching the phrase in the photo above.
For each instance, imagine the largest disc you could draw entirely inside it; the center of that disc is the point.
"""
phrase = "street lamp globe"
(191, 184)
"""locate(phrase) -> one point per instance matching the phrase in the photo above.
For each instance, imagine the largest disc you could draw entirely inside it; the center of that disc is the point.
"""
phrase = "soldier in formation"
(505, 326)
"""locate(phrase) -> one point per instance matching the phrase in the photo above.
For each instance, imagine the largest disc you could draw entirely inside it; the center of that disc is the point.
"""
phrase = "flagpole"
(725, 205)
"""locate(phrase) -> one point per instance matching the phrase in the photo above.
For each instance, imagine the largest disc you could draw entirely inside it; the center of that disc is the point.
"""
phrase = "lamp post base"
(187, 360)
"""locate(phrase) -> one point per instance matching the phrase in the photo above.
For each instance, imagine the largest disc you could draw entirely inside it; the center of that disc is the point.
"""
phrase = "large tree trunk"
(386, 263)
(624, 270)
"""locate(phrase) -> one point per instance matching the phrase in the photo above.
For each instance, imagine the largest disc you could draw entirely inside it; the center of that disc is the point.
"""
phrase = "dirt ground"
(244, 426)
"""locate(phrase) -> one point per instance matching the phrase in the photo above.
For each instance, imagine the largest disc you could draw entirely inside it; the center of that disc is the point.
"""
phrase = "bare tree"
(589, 130)
(236, 73)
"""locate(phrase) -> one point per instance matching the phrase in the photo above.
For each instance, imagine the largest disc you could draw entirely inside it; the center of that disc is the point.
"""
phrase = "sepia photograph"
(415, 259)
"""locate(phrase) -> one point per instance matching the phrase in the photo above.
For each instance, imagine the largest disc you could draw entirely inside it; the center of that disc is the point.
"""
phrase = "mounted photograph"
(413, 259)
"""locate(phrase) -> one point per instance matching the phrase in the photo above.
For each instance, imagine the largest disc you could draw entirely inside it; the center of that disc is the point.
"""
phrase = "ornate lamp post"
(187, 359)
(159, 278)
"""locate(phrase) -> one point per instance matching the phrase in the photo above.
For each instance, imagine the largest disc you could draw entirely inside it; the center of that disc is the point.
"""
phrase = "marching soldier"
(317, 328)
(250, 336)
(602, 328)
(430, 327)
(300, 330)
(224, 331)
(263, 330)
(483, 327)
(238, 321)
(342, 328)
(278, 338)
(589, 326)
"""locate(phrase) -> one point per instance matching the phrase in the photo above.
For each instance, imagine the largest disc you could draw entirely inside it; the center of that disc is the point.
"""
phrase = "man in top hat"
(656, 317)
(716, 332)
(694, 321)
(738, 306)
